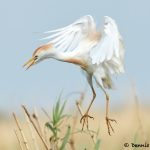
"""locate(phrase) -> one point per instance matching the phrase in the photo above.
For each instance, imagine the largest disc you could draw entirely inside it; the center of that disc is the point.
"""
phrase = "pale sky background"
(22, 24)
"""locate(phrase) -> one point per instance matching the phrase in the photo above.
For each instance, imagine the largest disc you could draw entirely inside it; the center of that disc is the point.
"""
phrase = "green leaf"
(97, 145)
(56, 111)
(54, 117)
(66, 138)
(62, 108)
(48, 125)
(57, 107)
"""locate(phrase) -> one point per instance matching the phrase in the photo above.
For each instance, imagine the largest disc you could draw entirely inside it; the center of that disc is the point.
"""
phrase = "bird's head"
(41, 53)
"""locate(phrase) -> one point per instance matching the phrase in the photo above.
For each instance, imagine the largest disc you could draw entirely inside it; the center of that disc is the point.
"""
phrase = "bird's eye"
(35, 57)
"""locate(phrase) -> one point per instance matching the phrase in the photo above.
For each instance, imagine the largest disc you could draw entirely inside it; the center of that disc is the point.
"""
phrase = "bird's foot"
(84, 120)
(109, 126)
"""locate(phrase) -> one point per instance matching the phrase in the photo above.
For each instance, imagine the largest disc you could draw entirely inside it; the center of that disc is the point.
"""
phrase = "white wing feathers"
(108, 50)
(68, 38)
(109, 47)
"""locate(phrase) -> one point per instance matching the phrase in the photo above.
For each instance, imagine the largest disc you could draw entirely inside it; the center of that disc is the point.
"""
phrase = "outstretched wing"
(68, 38)
(110, 47)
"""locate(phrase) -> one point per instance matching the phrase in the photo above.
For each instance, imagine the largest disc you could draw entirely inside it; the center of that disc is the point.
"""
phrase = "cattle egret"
(99, 53)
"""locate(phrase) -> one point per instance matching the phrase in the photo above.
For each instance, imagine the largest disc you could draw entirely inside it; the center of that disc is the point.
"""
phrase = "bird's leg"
(84, 118)
(108, 120)
(81, 112)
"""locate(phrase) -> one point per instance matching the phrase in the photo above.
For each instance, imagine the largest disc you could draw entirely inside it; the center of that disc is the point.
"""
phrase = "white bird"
(99, 53)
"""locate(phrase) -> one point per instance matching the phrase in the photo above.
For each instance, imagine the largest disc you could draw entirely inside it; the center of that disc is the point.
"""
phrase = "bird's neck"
(62, 56)
(68, 57)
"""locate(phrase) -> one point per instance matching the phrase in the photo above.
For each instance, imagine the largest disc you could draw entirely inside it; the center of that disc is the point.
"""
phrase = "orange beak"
(29, 63)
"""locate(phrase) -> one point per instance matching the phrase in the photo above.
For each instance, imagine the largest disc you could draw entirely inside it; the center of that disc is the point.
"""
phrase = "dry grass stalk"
(21, 132)
(45, 128)
(81, 113)
(32, 132)
(79, 108)
(36, 129)
(19, 141)
(46, 136)
(46, 114)
(36, 117)
(72, 140)
(137, 106)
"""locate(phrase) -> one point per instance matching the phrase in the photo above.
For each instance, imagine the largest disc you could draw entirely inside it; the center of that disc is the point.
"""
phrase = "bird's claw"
(109, 126)
(84, 120)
